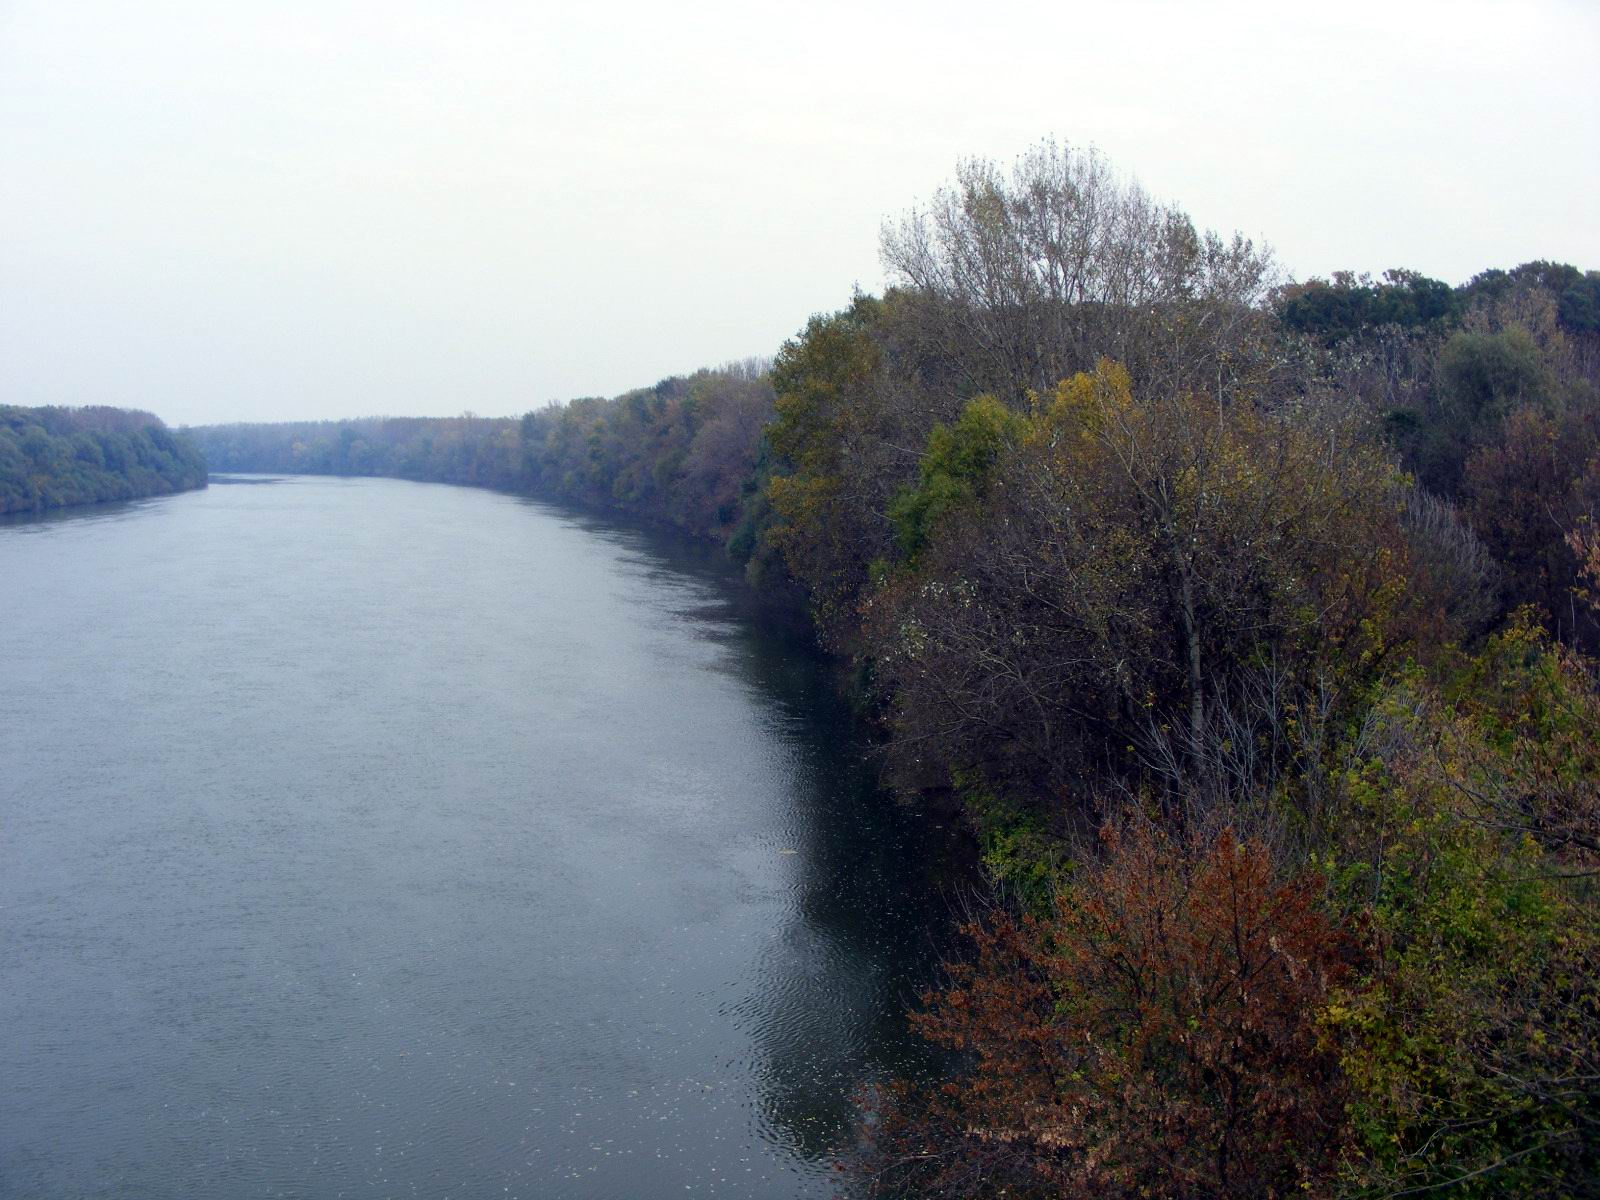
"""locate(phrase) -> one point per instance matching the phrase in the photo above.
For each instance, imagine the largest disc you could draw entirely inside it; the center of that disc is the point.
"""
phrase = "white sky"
(253, 211)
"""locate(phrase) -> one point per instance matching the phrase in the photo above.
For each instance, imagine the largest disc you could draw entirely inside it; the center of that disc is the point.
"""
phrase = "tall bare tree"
(1029, 276)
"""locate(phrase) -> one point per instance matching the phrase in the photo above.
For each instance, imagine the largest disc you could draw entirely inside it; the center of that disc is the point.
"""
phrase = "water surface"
(366, 838)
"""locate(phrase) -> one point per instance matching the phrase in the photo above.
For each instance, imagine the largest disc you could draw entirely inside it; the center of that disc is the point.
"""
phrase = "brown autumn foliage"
(1155, 1036)
(1131, 558)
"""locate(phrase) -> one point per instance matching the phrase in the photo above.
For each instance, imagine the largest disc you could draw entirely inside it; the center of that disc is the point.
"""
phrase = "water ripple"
(377, 839)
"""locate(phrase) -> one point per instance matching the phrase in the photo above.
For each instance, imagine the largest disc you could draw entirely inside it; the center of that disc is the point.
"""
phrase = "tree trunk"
(1191, 636)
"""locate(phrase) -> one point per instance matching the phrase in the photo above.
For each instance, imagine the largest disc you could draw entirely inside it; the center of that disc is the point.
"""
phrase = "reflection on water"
(379, 838)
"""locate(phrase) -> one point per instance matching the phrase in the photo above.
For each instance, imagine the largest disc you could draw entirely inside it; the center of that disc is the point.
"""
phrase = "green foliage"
(1577, 293)
(54, 457)
(1023, 859)
(828, 488)
(1473, 1042)
(1490, 375)
(815, 376)
(1580, 304)
(1351, 306)
(955, 470)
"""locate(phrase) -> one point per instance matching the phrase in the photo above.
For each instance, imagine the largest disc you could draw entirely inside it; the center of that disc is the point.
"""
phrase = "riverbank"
(64, 457)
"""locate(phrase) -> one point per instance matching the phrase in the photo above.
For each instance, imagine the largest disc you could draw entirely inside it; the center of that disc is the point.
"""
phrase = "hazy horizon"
(309, 212)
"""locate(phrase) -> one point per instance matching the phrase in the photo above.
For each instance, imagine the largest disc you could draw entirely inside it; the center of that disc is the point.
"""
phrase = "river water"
(366, 838)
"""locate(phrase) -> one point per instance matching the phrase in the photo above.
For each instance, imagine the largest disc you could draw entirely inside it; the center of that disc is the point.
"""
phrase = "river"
(366, 838)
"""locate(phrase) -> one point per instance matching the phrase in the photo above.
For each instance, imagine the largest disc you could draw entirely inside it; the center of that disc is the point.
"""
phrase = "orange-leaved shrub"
(1155, 1035)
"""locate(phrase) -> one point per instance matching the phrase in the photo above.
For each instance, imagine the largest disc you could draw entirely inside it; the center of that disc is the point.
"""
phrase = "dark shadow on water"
(876, 875)
(107, 510)
(245, 480)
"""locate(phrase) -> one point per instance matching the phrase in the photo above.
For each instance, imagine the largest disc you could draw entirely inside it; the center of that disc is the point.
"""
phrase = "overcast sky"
(254, 211)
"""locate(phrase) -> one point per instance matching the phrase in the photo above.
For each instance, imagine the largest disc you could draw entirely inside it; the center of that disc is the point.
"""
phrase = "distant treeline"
(1249, 622)
(684, 452)
(54, 457)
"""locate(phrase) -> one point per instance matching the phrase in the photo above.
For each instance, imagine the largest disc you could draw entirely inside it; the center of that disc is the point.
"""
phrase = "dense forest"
(1249, 622)
(53, 457)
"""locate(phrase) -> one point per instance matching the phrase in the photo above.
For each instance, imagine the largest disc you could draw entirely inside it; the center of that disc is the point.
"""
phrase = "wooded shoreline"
(61, 457)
